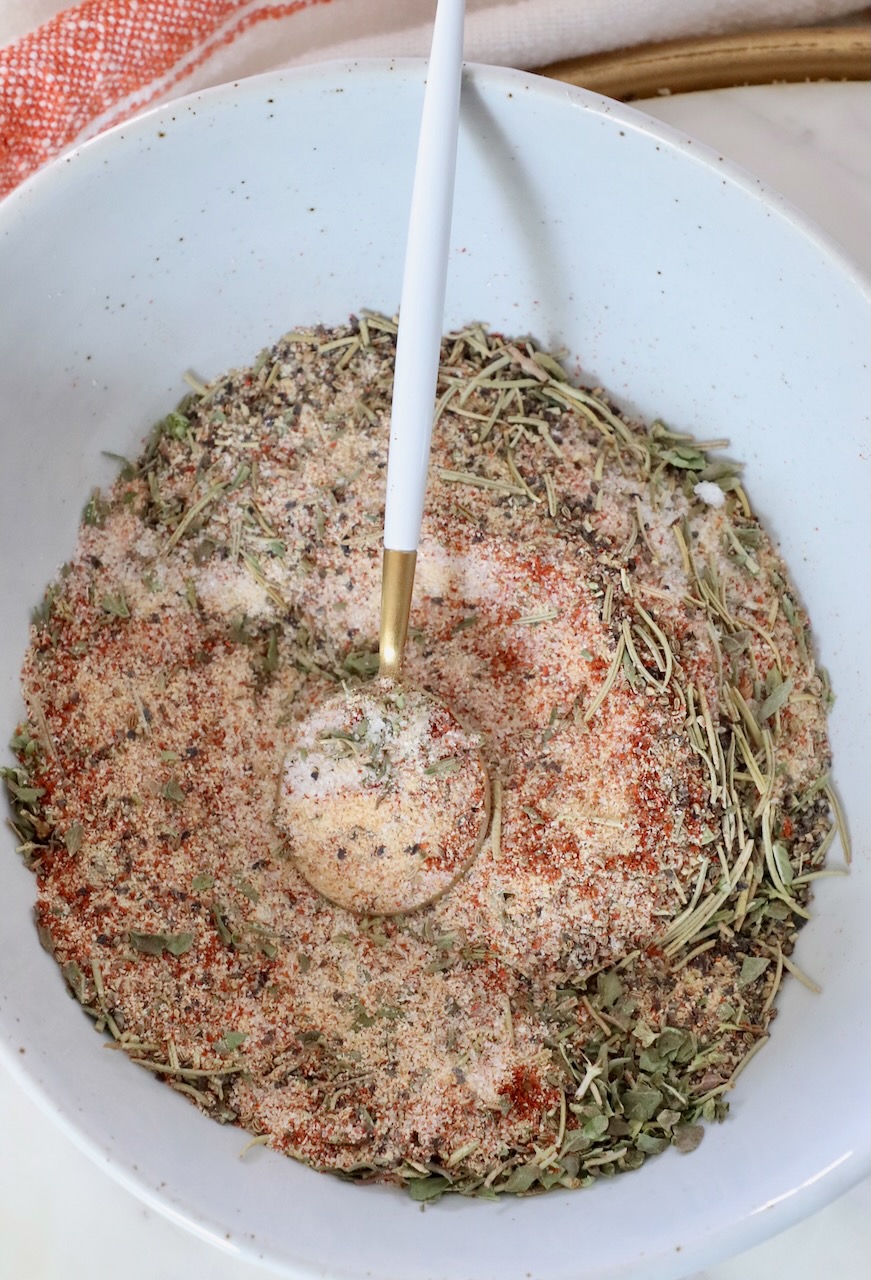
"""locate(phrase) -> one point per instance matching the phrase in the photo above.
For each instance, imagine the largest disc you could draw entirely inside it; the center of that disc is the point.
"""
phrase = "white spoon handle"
(421, 314)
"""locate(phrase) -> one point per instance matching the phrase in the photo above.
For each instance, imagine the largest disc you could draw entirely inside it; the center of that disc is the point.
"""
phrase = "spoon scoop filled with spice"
(384, 795)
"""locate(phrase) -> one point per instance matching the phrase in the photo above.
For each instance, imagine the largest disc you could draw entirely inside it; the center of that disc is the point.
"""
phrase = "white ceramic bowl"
(198, 234)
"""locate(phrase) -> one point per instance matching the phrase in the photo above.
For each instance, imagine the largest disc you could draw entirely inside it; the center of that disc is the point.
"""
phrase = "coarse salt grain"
(709, 493)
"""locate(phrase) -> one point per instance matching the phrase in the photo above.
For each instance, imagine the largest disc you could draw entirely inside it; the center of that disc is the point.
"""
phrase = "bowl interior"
(195, 236)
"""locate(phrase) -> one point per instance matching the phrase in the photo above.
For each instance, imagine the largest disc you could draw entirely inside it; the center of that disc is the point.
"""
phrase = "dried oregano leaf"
(224, 932)
(151, 944)
(178, 943)
(651, 1060)
(777, 910)
(25, 795)
(116, 605)
(423, 1189)
(75, 980)
(45, 938)
(782, 862)
(669, 1041)
(777, 699)
(609, 988)
(676, 1046)
(521, 1179)
(154, 944)
(686, 459)
(575, 1140)
(231, 1040)
(74, 836)
(687, 1137)
(651, 1144)
(175, 425)
(641, 1103)
(595, 1127)
(643, 1034)
(752, 968)
(173, 792)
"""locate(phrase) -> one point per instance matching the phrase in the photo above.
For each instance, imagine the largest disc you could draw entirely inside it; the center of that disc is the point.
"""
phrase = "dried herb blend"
(383, 798)
(596, 598)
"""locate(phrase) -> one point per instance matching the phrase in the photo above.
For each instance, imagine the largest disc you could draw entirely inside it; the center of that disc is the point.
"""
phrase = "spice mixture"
(596, 600)
(383, 798)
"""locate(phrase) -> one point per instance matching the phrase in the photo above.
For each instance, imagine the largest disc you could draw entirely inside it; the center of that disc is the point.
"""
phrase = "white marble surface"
(62, 1218)
(812, 142)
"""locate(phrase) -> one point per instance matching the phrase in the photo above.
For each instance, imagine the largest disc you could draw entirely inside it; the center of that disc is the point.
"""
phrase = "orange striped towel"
(100, 61)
